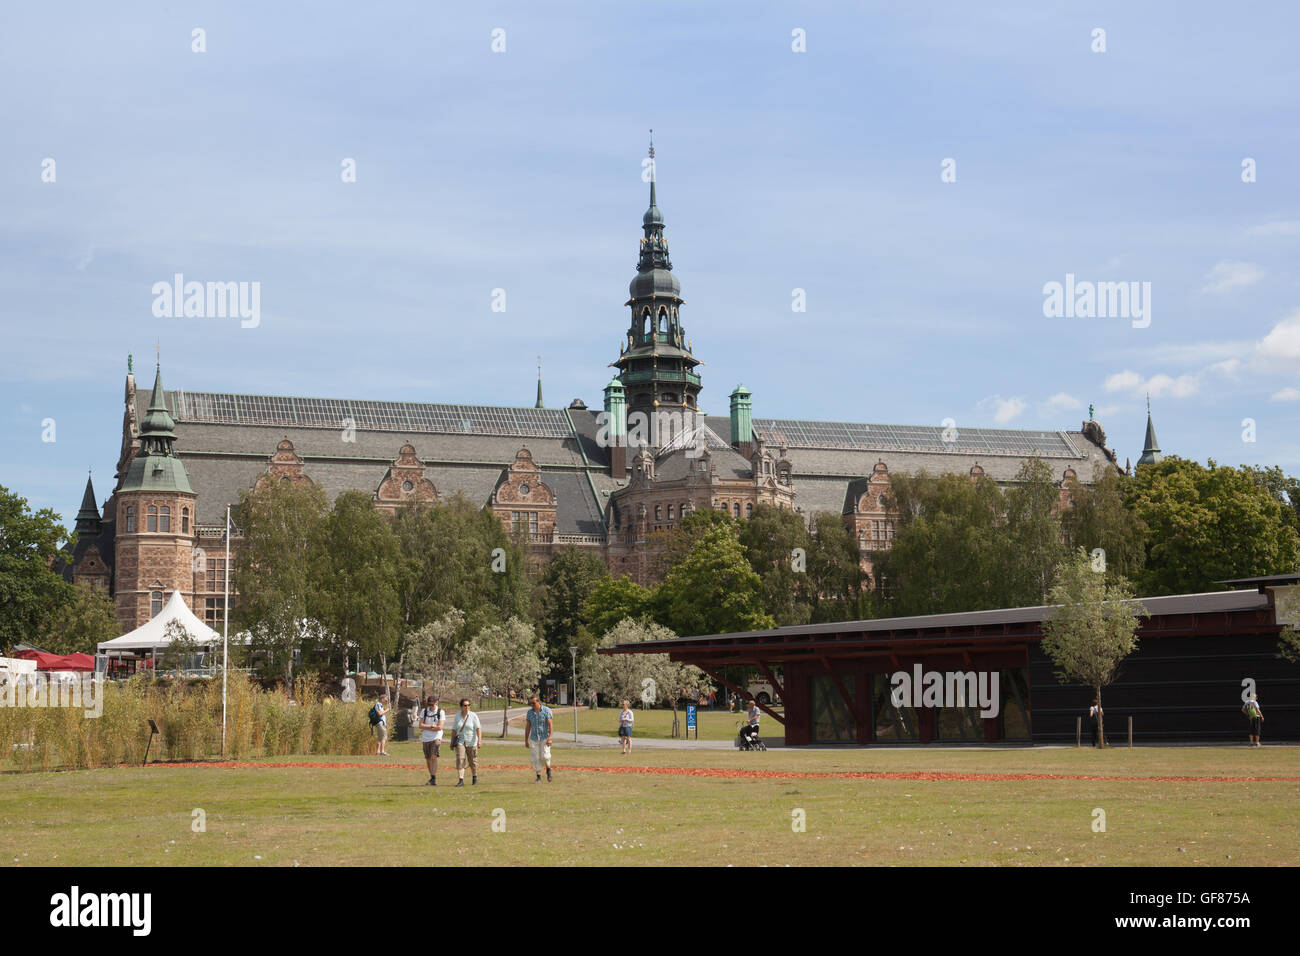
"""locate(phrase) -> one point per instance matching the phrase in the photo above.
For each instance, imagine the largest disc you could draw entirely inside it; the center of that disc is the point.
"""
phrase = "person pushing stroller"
(749, 732)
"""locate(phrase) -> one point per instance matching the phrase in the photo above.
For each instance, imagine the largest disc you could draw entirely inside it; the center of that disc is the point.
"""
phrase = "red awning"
(55, 662)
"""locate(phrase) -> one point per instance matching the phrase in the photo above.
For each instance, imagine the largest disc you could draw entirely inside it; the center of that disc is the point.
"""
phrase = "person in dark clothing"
(1094, 719)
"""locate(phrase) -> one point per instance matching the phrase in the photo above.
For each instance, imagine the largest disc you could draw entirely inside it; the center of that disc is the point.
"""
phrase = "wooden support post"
(1130, 730)
(744, 694)
(1078, 731)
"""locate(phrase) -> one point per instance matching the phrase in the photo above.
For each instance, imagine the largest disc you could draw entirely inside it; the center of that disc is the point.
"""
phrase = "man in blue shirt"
(538, 724)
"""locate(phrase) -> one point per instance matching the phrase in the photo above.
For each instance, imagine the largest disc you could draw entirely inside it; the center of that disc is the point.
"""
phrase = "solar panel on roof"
(914, 438)
(219, 409)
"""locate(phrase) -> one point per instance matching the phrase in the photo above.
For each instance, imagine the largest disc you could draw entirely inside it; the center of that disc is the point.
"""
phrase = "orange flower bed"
(920, 775)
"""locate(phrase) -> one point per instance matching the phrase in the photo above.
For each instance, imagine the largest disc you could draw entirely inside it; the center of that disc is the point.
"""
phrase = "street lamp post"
(573, 652)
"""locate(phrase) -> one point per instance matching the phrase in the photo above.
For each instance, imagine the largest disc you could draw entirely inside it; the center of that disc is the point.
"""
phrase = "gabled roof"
(153, 634)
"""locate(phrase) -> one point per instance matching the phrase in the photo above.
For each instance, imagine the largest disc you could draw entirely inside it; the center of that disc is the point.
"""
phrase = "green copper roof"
(156, 466)
(1150, 448)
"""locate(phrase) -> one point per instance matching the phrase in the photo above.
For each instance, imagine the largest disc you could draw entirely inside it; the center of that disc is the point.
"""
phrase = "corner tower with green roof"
(155, 528)
(656, 366)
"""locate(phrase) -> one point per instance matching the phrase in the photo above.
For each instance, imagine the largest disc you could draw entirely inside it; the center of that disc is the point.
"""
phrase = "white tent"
(152, 635)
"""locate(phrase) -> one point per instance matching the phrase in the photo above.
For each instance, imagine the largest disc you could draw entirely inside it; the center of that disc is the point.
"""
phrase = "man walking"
(431, 720)
(465, 734)
(537, 736)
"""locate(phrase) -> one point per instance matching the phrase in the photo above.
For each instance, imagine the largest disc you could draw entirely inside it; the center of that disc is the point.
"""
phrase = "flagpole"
(225, 636)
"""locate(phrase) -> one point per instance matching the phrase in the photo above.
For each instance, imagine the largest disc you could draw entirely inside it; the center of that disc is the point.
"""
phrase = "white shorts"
(539, 752)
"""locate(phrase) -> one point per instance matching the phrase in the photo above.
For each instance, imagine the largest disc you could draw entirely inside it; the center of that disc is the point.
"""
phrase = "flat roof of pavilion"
(943, 628)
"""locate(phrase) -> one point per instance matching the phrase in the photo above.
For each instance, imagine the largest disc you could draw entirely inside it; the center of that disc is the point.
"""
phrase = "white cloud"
(1283, 340)
(1156, 386)
(1005, 410)
(1278, 227)
(1063, 401)
(1287, 394)
(1227, 275)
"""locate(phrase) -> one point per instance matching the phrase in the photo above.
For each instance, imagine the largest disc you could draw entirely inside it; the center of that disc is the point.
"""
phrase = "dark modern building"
(1196, 656)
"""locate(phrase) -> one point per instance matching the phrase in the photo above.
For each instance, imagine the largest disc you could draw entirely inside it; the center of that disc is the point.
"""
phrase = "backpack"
(374, 715)
(1251, 710)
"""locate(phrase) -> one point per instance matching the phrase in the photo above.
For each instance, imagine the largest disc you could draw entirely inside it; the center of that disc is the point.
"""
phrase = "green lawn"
(713, 725)
(385, 815)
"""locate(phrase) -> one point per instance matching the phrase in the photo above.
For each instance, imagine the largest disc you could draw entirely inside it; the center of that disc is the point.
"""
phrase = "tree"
(457, 555)
(1099, 517)
(1208, 523)
(671, 546)
(836, 583)
(357, 595)
(1093, 629)
(1030, 538)
(433, 653)
(30, 588)
(777, 546)
(946, 545)
(81, 624)
(506, 657)
(567, 582)
(181, 646)
(649, 678)
(615, 599)
(275, 568)
(713, 590)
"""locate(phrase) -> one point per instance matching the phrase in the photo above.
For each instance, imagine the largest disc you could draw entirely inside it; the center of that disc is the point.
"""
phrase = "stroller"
(747, 738)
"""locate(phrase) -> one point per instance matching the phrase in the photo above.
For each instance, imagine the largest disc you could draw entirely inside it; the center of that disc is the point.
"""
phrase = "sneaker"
(433, 781)
(430, 783)
(539, 779)
(548, 774)
(461, 782)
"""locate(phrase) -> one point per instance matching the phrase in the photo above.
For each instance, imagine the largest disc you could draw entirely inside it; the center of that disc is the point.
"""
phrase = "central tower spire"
(656, 367)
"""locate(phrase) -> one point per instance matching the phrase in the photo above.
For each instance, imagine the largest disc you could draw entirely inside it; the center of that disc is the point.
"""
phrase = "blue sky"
(777, 170)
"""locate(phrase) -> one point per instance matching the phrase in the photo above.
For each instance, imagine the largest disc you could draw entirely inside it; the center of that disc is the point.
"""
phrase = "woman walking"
(465, 734)
(625, 721)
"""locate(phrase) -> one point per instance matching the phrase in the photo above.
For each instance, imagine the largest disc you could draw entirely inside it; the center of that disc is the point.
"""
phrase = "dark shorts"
(624, 731)
(1256, 726)
(432, 748)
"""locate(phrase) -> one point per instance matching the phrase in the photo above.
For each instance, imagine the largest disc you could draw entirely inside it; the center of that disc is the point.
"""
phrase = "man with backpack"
(431, 719)
(1256, 718)
(379, 720)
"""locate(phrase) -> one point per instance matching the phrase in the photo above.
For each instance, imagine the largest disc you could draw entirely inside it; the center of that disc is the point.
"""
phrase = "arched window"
(658, 513)
(670, 512)
(155, 603)
(185, 521)
(165, 519)
(749, 509)
(130, 517)
(645, 326)
(663, 320)
(735, 509)
(151, 518)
